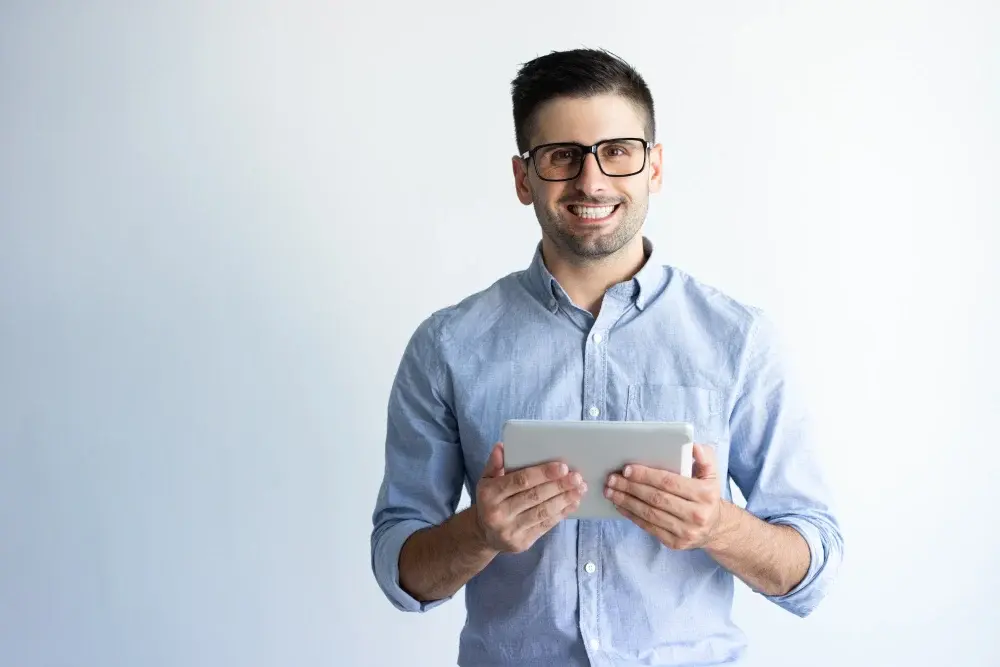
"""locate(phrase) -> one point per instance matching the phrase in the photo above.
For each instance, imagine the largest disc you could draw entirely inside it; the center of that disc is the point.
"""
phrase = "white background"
(220, 222)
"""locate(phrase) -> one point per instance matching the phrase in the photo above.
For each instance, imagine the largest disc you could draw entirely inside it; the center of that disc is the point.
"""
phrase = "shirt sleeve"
(774, 462)
(422, 480)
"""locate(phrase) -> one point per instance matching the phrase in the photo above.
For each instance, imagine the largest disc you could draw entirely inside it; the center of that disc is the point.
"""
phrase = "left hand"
(681, 512)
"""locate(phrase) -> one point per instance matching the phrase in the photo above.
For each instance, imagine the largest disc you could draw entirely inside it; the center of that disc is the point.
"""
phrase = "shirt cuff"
(385, 563)
(805, 596)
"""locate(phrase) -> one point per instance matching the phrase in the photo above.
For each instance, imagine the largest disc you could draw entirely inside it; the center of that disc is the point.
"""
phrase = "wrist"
(475, 533)
(721, 537)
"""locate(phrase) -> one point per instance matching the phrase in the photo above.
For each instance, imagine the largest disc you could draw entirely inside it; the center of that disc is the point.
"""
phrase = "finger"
(671, 482)
(536, 495)
(549, 513)
(531, 535)
(651, 515)
(682, 508)
(526, 478)
(704, 463)
(659, 533)
(494, 464)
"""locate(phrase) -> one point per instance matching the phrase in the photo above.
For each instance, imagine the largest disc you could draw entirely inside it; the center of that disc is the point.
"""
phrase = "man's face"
(594, 215)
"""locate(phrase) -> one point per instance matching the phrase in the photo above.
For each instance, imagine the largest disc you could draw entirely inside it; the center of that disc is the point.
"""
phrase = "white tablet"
(595, 449)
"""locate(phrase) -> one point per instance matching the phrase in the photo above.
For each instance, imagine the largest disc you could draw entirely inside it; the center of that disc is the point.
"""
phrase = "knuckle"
(533, 494)
(521, 479)
(648, 514)
(699, 518)
(542, 513)
(657, 499)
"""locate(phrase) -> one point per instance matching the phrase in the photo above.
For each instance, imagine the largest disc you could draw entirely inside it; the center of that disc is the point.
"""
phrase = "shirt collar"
(639, 289)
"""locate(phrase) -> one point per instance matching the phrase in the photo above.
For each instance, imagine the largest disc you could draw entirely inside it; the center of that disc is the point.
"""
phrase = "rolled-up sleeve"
(774, 461)
(422, 480)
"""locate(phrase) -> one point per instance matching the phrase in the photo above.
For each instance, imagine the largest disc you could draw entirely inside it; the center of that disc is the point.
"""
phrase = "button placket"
(589, 532)
(587, 583)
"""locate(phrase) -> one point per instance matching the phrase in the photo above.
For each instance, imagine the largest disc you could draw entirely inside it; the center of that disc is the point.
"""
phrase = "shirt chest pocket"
(665, 402)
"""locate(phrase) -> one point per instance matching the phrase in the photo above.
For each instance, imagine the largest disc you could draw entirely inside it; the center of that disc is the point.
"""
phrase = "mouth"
(591, 214)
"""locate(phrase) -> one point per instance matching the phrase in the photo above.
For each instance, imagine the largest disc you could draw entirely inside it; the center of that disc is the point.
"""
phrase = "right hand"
(514, 510)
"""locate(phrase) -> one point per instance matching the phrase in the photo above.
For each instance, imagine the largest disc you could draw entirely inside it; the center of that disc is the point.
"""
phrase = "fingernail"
(563, 469)
(583, 488)
(607, 493)
(627, 472)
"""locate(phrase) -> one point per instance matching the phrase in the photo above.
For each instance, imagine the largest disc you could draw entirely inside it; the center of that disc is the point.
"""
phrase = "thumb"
(704, 462)
(494, 464)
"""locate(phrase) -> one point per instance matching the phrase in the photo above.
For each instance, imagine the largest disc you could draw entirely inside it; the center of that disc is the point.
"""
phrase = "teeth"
(593, 212)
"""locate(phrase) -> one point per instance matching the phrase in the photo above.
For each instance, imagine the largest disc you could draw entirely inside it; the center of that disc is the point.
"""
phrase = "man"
(597, 328)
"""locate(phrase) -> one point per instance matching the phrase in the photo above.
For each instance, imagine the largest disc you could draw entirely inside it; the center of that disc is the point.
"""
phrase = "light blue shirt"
(599, 592)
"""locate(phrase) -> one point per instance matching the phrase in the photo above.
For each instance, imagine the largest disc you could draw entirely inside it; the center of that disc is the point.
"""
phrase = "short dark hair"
(575, 73)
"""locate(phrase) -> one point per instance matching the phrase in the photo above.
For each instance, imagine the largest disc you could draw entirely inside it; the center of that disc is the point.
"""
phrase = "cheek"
(551, 194)
(636, 194)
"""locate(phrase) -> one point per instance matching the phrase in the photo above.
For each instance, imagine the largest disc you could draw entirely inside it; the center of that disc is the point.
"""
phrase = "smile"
(593, 213)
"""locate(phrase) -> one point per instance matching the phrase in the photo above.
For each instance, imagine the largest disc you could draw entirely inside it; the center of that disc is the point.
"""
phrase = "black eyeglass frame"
(587, 150)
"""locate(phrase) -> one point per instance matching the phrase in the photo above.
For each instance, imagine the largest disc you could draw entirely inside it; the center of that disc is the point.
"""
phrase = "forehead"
(587, 120)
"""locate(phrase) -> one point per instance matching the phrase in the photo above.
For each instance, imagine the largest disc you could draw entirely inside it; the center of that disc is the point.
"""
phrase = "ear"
(521, 180)
(656, 168)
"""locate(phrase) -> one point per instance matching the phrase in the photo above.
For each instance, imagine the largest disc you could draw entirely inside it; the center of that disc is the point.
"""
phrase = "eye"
(563, 155)
(615, 150)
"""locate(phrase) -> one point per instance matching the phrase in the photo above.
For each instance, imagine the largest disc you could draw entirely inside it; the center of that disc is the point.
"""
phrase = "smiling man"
(596, 327)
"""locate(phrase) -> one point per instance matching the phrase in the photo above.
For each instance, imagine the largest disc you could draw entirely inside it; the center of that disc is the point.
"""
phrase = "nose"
(591, 180)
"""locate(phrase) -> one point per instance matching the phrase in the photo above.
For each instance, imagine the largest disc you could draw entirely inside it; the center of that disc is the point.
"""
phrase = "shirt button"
(595, 645)
(590, 568)
(594, 411)
(598, 338)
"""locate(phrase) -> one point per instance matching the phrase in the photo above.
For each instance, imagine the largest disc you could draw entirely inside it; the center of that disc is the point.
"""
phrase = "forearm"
(435, 563)
(771, 559)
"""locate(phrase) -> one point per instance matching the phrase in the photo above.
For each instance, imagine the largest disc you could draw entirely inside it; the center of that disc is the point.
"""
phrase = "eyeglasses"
(564, 161)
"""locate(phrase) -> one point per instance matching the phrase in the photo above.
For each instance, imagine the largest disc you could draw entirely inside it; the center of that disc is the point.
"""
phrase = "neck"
(586, 280)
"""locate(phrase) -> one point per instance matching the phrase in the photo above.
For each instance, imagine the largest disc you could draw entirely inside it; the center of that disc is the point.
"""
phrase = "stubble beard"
(586, 246)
